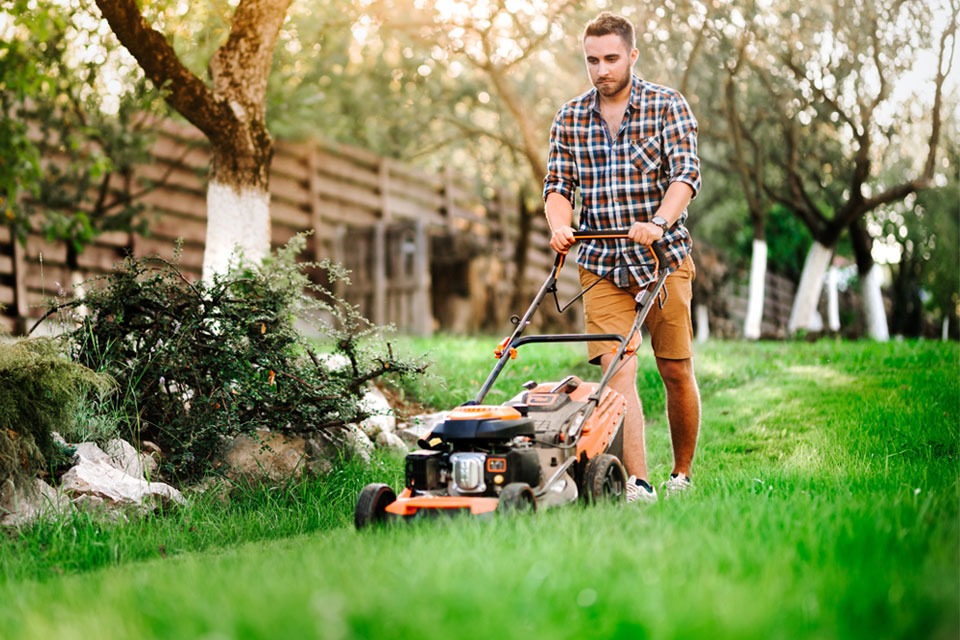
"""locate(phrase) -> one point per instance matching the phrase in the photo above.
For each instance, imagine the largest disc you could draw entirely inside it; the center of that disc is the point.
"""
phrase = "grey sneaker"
(640, 491)
(677, 483)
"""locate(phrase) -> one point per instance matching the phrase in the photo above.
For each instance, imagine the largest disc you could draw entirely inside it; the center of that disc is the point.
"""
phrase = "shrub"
(40, 392)
(202, 361)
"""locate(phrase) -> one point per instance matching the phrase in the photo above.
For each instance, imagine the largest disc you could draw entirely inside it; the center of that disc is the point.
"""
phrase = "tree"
(230, 111)
(829, 74)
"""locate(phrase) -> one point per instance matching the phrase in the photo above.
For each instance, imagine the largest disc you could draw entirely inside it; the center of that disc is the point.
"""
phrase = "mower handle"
(615, 234)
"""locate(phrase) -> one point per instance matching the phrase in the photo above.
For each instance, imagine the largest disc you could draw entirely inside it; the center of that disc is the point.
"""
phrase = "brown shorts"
(610, 309)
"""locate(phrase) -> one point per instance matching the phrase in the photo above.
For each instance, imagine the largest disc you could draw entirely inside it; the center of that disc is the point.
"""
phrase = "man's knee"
(676, 373)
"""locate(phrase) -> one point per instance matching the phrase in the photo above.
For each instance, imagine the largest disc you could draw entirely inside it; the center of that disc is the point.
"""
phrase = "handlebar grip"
(613, 234)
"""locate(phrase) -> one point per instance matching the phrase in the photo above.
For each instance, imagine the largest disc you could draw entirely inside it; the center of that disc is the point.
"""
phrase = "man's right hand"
(562, 239)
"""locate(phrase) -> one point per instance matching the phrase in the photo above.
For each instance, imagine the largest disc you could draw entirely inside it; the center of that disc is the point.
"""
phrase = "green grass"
(827, 505)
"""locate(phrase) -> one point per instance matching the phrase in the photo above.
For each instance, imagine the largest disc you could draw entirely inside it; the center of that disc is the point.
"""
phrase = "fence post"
(314, 190)
(422, 308)
(20, 284)
(380, 247)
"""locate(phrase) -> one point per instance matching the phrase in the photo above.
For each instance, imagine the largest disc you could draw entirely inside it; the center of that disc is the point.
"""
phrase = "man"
(630, 147)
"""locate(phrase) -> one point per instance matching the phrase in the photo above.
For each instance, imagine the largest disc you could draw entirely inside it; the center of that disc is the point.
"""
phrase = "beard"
(612, 86)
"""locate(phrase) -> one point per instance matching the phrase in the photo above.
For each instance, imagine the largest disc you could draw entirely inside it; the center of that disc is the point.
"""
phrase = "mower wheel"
(604, 479)
(517, 497)
(372, 505)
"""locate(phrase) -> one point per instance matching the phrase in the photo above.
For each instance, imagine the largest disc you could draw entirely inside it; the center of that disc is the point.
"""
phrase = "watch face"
(660, 222)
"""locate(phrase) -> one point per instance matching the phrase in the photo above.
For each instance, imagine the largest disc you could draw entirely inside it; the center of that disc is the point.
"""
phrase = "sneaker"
(640, 491)
(678, 483)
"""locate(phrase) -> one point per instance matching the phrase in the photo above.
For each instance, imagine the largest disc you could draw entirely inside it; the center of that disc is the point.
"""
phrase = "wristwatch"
(660, 222)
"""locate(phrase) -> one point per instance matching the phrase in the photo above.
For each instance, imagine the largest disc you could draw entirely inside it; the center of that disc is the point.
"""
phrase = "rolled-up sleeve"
(561, 165)
(680, 144)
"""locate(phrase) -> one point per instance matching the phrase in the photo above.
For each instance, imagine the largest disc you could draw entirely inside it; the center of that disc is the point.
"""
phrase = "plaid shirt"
(622, 181)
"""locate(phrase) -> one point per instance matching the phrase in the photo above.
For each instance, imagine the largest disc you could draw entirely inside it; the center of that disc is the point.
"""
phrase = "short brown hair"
(606, 23)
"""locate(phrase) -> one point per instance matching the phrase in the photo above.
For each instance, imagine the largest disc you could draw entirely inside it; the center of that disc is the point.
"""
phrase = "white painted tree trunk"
(758, 275)
(874, 312)
(703, 323)
(804, 315)
(945, 329)
(833, 300)
(238, 224)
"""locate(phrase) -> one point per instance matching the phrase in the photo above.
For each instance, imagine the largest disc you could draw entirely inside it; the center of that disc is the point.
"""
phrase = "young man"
(630, 147)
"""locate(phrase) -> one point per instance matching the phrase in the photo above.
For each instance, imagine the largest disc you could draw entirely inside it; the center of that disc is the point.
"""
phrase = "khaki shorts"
(610, 309)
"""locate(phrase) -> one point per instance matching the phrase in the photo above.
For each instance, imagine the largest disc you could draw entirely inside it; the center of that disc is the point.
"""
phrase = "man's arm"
(675, 200)
(560, 218)
(559, 187)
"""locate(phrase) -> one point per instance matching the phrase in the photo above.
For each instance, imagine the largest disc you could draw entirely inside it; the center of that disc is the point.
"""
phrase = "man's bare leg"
(683, 410)
(634, 446)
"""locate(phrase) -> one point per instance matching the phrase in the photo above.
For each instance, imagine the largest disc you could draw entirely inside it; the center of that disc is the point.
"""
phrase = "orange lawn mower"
(552, 443)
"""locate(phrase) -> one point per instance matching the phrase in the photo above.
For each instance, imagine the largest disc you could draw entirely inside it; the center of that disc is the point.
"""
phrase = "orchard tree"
(230, 110)
(831, 74)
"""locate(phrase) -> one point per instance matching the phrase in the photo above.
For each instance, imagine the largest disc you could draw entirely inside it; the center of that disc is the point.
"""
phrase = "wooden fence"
(379, 218)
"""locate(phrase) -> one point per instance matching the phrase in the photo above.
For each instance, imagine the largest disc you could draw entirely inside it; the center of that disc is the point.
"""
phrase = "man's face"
(609, 63)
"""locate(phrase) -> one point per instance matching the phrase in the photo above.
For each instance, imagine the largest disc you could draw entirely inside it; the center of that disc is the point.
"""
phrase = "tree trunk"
(238, 226)
(758, 275)
(231, 113)
(802, 315)
(874, 313)
(833, 301)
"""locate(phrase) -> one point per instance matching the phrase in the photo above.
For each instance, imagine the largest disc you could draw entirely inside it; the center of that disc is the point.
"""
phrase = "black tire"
(372, 505)
(517, 497)
(604, 479)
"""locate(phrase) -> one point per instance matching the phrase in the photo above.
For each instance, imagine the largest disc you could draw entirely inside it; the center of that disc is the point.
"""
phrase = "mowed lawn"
(827, 505)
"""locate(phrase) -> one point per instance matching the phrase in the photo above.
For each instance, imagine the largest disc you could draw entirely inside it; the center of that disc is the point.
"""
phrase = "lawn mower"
(549, 445)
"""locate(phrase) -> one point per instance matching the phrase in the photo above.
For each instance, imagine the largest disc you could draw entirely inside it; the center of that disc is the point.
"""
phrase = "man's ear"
(634, 54)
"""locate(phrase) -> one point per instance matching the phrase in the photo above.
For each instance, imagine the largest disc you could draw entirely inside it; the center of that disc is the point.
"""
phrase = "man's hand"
(645, 233)
(562, 239)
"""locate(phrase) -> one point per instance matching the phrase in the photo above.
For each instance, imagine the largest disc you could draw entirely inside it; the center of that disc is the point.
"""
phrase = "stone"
(358, 443)
(129, 460)
(387, 440)
(99, 484)
(381, 419)
(266, 456)
(19, 507)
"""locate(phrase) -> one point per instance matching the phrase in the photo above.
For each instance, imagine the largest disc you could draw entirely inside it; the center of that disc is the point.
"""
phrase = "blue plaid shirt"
(622, 181)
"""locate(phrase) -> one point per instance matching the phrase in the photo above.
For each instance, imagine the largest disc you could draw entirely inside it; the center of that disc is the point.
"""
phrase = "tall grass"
(826, 505)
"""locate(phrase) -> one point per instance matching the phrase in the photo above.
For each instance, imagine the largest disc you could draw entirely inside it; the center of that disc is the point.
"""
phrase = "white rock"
(381, 418)
(94, 483)
(358, 443)
(387, 440)
(129, 460)
(19, 507)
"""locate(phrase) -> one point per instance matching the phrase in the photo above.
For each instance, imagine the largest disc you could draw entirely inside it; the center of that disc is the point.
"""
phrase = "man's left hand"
(645, 233)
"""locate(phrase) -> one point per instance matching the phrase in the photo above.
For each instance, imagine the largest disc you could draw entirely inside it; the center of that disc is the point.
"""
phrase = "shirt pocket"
(645, 154)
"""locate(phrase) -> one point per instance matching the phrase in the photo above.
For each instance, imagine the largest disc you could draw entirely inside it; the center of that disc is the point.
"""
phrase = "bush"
(200, 362)
(40, 392)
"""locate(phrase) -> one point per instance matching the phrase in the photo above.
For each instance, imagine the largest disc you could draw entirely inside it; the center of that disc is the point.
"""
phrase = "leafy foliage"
(201, 361)
(40, 392)
(72, 177)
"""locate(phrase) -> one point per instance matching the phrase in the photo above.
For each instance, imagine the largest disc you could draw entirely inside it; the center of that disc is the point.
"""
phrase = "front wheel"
(604, 479)
(516, 497)
(372, 505)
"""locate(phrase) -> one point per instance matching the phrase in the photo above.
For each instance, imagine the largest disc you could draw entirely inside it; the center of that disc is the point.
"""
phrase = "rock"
(381, 417)
(266, 456)
(91, 452)
(387, 440)
(129, 460)
(358, 443)
(20, 507)
(99, 484)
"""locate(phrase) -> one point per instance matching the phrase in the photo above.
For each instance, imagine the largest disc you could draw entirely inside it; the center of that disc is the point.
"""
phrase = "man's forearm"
(559, 211)
(675, 200)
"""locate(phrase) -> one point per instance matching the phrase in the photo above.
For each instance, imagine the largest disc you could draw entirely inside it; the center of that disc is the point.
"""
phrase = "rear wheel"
(604, 479)
(372, 505)
(517, 497)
